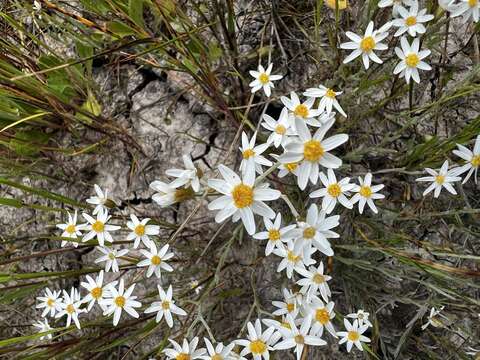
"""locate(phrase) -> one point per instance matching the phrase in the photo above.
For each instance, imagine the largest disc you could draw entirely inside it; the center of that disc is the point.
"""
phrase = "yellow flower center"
(183, 194)
(367, 44)
(182, 356)
(330, 94)
(111, 256)
(273, 235)
(140, 230)
(360, 316)
(309, 233)
(365, 191)
(353, 336)
(318, 279)
(242, 196)
(280, 129)
(322, 316)
(120, 301)
(165, 305)
(247, 154)
(342, 4)
(412, 60)
(301, 111)
(299, 339)
(292, 257)
(410, 21)
(70, 309)
(258, 347)
(50, 302)
(70, 229)
(290, 307)
(217, 357)
(96, 292)
(291, 166)
(472, 3)
(475, 161)
(156, 260)
(439, 179)
(264, 78)
(98, 226)
(313, 150)
(334, 190)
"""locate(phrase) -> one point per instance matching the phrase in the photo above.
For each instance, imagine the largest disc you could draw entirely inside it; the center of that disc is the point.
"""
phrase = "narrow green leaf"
(43, 193)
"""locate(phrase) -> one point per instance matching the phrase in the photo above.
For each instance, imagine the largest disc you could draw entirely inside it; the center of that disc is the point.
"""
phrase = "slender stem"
(410, 95)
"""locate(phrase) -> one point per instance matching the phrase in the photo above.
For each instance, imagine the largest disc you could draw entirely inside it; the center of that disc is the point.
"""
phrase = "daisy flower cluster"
(302, 146)
(299, 141)
(114, 297)
(410, 23)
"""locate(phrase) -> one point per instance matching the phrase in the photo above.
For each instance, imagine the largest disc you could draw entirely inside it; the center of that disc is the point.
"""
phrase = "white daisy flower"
(258, 343)
(433, 318)
(353, 335)
(411, 60)
(471, 157)
(188, 350)
(314, 281)
(98, 228)
(275, 234)
(328, 99)
(287, 168)
(467, 9)
(219, 352)
(311, 152)
(96, 290)
(280, 129)
(71, 307)
(241, 198)
(141, 231)
(411, 20)
(366, 193)
(362, 317)
(253, 154)
(50, 302)
(395, 3)
(293, 258)
(119, 300)
(169, 194)
(333, 192)
(43, 327)
(263, 79)
(110, 257)
(190, 176)
(321, 314)
(441, 179)
(165, 307)
(100, 200)
(298, 338)
(365, 45)
(288, 306)
(312, 234)
(301, 111)
(156, 260)
(70, 229)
